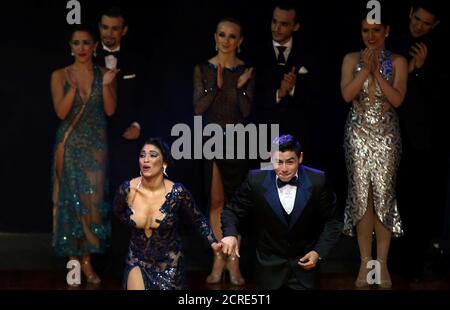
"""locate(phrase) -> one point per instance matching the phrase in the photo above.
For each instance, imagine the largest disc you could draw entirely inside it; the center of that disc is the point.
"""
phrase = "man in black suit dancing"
(293, 218)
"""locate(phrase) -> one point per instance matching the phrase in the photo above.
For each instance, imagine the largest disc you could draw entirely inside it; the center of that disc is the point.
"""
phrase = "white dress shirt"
(117, 49)
(286, 52)
(287, 196)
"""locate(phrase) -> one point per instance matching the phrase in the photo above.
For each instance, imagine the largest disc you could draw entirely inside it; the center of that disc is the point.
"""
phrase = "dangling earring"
(72, 53)
(95, 53)
(140, 172)
(164, 171)
(387, 35)
(239, 49)
(217, 48)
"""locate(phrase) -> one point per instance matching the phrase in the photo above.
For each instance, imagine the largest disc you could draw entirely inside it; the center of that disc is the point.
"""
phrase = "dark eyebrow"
(419, 19)
(289, 159)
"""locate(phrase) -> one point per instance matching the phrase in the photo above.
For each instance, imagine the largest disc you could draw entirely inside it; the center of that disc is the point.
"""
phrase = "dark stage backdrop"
(174, 36)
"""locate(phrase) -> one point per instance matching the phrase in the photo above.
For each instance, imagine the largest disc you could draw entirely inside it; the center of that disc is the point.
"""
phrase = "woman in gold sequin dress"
(374, 82)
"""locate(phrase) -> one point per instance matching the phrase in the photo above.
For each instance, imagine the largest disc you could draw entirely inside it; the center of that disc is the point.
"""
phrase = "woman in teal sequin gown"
(83, 95)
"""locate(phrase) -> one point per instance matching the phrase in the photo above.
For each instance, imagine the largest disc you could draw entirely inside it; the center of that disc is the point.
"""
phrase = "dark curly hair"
(163, 147)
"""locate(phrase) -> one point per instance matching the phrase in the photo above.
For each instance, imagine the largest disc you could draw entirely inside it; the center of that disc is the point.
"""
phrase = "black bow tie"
(115, 54)
(292, 182)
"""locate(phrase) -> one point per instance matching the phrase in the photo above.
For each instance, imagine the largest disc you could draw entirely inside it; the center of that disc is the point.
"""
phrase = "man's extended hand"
(309, 261)
(230, 246)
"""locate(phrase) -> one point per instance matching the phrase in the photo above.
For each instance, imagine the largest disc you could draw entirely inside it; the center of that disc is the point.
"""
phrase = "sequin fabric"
(80, 210)
(372, 146)
(160, 256)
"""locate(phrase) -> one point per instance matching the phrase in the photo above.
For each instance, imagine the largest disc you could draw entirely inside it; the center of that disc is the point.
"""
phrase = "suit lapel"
(302, 196)
(271, 196)
(295, 58)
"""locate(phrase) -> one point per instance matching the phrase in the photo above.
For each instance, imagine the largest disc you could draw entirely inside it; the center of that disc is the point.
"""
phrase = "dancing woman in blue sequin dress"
(83, 95)
(154, 207)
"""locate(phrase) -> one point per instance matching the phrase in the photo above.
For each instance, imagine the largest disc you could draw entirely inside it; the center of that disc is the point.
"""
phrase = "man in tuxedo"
(124, 127)
(293, 218)
(420, 120)
(287, 83)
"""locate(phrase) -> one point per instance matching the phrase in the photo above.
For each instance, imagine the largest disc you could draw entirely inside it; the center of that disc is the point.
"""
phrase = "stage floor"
(27, 263)
(51, 280)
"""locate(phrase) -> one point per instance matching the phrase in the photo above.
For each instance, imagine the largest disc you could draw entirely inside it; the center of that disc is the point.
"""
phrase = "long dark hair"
(83, 28)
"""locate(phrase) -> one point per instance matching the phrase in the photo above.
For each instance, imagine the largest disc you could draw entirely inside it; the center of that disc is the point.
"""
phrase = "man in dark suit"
(124, 127)
(293, 218)
(287, 77)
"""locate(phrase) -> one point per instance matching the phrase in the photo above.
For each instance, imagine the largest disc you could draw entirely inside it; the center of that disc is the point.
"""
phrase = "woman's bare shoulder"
(352, 57)
(59, 73)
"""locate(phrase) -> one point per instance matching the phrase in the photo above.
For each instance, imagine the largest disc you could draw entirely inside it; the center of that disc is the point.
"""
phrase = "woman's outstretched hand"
(216, 246)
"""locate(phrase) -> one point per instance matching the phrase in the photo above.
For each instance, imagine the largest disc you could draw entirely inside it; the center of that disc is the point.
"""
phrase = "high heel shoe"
(89, 273)
(385, 278)
(217, 274)
(361, 280)
(234, 271)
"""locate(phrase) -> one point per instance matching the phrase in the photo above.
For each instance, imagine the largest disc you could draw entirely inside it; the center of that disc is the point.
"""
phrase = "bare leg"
(233, 268)
(217, 203)
(135, 280)
(383, 242)
(364, 231)
(88, 270)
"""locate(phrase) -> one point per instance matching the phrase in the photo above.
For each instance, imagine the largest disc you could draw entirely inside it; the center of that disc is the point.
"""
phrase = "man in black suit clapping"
(287, 77)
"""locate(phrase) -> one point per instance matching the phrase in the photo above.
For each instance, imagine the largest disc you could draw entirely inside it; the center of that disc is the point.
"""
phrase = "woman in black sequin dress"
(153, 207)
(223, 94)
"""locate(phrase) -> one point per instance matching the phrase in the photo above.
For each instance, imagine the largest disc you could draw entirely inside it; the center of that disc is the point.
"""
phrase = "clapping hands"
(371, 61)
(245, 77)
(109, 76)
(288, 83)
(419, 52)
(70, 77)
